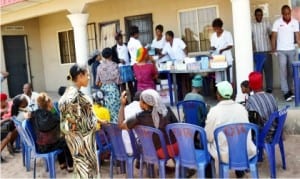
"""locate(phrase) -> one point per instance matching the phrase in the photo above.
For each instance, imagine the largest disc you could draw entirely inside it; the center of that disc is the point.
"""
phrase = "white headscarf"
(152, 98)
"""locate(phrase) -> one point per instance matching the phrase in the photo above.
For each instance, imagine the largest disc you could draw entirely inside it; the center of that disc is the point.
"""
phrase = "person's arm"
(123, 100)
(98, 80)
(229, 42)
(273, 41)
(226, 48)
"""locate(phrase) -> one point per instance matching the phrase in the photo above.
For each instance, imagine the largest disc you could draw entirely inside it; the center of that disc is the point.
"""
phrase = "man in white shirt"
(159, 42)
(226, 112)
(31, 96)
(284, 31)
(221, 44)
(133, 44)
(175, 47)
(261, 33)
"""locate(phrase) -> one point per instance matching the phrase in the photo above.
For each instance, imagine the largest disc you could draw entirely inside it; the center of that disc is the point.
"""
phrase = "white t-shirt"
(285, 33)
(133, 45)
(160, 44)
(222, 42)
(32, 101)
(123, 53)
(176, 51)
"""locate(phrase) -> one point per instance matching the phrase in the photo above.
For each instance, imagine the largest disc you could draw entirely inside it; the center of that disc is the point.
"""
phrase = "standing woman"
(78, 123)
(108, 78)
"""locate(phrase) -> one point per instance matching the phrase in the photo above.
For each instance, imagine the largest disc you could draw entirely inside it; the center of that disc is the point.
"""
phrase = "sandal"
(70, 169)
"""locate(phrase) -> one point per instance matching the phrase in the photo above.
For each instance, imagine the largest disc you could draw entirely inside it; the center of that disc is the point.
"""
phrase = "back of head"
(224, 89)
(43, 101)
(197, 81)
(141, 54)
(61, 90)
(107, 52)
(17, 102)
(217, 23)
(256, 81)
(170, 33)
(134, 30)
(75, 70)
(3, 97)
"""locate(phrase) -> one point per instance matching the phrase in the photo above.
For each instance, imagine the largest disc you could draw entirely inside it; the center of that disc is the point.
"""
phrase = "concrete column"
(242, 42)
(79, 23)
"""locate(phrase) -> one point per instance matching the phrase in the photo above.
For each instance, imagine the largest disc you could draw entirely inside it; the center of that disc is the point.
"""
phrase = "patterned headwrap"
(152, 98)
(141, 54)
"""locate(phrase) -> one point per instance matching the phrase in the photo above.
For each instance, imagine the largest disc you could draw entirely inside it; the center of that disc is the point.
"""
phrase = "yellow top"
(101, 113)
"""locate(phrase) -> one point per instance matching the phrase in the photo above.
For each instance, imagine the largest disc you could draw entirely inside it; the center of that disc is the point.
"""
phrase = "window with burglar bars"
(92, 38)
(67, 47)
(195, 27)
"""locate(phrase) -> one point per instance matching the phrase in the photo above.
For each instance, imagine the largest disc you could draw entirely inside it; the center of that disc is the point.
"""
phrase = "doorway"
(17, 63)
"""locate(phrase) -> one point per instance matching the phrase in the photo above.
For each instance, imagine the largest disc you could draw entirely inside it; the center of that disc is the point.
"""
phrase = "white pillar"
(242, 42)
(79, 23)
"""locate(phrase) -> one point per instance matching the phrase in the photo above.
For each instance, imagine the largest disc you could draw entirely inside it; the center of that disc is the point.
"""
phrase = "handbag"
(5, 126)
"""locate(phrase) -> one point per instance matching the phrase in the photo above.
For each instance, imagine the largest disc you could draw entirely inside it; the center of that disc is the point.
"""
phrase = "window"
(92, 38)
(144, 23)
(195, 27)
(107, 33)
(67, 47)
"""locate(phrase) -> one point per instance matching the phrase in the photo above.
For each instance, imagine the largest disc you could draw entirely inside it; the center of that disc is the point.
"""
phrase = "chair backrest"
(145, 137)
(114, 134)
(21, 131)
(280, 116)
(30, 134)
(192, 109)
(100, 138)
(184, 134)
(236, 137)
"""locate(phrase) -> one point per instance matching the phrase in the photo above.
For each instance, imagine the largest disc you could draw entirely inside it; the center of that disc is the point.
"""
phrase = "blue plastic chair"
(192, 109)
(100, 136)
(189, 156)
(118, 149)
(26, 150)
(48, 157)
(236, 136)
(296, 76)
(259, 59)
(277, 139)
(55, 105)
(148, 153)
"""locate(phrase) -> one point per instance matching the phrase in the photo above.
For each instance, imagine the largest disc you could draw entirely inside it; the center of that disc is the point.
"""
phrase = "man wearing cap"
(196, 87)
(226, 112)
(261, 102)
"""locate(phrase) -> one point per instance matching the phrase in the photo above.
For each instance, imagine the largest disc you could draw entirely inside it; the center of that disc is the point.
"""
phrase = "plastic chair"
(296, 76)
(55, 105)
(259, 59)
(48, 157)
(236, 136)
(118, 150)
(148, 153)
(277, 139)
(194, 158)
(100, 136)
(192, 109)
(26, 150)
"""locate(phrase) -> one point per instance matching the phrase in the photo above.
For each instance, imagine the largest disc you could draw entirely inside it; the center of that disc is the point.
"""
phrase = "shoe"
(189, 173)
(288, 97)
(239, 173)
(291, 94)
(269, 90)
(70, 169)
(10, 149)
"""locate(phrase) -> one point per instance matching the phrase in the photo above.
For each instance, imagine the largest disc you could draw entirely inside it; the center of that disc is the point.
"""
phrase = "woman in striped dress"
(78, 123)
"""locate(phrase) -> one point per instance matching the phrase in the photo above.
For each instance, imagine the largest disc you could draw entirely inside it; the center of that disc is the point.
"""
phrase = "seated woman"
(154, 114)
(46, 124)
(19, 107)
(145, 70)
(8, 129)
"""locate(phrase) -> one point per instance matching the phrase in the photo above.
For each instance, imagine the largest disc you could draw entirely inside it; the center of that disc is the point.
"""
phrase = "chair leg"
(224, 171)
(213, 168)
(177, 169)
(254, 171)
(141, 167)
(27, 158)
(272, 161)
(260, 154)
(51, 166)
(23, 154)
(34, 167)
(281, 147)
(111, 166)
(129, 167)
(201, 171)
(162, 169)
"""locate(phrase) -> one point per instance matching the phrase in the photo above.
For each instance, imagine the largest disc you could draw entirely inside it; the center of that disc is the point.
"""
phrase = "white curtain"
(107, 37)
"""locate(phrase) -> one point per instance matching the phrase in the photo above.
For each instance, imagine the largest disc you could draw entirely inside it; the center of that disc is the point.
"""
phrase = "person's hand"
(27, 115)
(122, 61)
(221, 51)
(123, 98)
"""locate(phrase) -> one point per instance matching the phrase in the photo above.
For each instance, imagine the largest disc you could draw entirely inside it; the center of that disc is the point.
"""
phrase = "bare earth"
(14, 167)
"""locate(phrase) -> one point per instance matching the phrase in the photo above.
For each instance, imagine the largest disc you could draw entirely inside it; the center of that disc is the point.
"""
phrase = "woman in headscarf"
(108, 78)
(145, 70)
(78, 123)
(154, 114)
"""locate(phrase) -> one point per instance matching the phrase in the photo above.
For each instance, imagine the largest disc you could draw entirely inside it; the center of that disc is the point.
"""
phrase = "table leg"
(175, 88)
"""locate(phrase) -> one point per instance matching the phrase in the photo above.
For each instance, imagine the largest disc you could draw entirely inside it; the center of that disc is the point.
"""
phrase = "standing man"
(284, 31)
(159, 42)
(134, 44)
(261, 34)
(31, 96)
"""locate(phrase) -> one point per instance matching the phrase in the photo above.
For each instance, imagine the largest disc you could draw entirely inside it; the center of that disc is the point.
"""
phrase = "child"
(100, 112)
(145, 70)
(245, 90)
